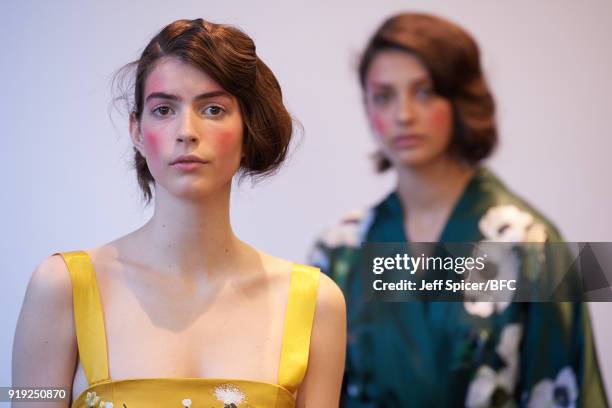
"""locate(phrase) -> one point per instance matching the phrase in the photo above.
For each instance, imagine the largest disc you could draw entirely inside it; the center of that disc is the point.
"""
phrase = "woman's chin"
(418, 158)
(199, 191)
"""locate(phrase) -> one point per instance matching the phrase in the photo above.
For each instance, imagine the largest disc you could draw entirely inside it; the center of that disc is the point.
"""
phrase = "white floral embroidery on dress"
(230, 395)
(504, 223)
(92, 400)
(186, 403)
(560, 393)
(490, 388)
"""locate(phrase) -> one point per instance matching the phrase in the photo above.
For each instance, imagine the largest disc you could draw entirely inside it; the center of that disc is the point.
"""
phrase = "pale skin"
(182, 296)
(413, 126)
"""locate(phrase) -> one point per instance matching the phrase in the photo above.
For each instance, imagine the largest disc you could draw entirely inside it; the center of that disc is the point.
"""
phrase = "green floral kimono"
(455, 354)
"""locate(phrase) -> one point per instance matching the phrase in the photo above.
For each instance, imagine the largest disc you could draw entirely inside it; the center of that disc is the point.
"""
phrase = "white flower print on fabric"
(484, 309)
(92, 400)
(502, 264)
(509, 342)
(486, 388)
(350, 231)
(560, 393)
(494, 389)
(186, 403)
(504, 223)
(536, 233)
(230, 395)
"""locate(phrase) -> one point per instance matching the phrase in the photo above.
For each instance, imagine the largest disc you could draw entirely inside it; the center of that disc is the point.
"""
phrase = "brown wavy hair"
(228, 56)
(452, 58)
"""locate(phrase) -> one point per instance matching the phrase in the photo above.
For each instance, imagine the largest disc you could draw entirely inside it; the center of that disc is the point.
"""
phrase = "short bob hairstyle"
(228, 56)
(452, 58)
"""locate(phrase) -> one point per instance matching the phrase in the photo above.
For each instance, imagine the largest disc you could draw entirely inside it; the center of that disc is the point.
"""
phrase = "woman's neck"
(191, 237)
(433, 186)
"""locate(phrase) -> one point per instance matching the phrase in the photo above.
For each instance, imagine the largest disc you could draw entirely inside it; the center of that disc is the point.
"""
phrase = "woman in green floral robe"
(448, 354)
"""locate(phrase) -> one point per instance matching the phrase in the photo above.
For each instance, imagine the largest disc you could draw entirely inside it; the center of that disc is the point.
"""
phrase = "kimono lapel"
(419, 326)
(478, 196)
(443, 318)
(401, 327)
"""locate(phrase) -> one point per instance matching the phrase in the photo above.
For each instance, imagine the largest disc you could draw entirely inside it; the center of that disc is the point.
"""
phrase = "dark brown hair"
(452, 58)
(228, 56)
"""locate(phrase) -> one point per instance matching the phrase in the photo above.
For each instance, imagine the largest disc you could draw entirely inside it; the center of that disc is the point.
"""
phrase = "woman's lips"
(188, 162)
(407, 141)
(188, 165)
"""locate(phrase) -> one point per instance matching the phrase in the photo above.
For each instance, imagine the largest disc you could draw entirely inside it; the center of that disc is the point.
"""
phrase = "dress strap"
(88, 316)
(299, 317)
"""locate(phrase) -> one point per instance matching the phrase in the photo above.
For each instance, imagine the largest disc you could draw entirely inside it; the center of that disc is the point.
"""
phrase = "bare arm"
(321, 385)
(44, 348)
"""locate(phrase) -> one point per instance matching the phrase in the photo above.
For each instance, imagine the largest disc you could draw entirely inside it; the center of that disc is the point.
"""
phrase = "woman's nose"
(406, 110)
(187, 131)
(187, 138)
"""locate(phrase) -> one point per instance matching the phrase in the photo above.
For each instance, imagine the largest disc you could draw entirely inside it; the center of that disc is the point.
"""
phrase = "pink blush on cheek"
(440, 116)
(227, 140)
(152, 147)
(378, 123)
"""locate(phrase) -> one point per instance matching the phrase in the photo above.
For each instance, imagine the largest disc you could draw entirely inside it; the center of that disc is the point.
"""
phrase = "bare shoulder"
(49, 293)
(321, 384)
(120, 247)
(274, 267)
(329, 295)
(50, 281)
(115, 254)
(123, 248)
(330, 299)
(44, 347)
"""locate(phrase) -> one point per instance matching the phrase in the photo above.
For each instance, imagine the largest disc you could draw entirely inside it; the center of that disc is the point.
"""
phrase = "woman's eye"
(213, 110)
(381, 98)
(162, 111)
(424, 93)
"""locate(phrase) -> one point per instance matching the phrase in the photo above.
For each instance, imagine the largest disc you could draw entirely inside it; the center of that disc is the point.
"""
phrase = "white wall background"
(65, 176)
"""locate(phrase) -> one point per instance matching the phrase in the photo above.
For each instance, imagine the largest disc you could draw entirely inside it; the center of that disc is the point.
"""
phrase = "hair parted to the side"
(452, 59)
(228, 56)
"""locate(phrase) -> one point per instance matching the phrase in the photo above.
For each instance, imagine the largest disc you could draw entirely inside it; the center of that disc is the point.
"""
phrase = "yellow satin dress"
(188, 392)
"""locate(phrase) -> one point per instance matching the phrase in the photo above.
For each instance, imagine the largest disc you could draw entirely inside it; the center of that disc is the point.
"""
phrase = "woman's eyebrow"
(206, 95)
(424, 80)
(381, 85)
(213, 94)
(161, 95)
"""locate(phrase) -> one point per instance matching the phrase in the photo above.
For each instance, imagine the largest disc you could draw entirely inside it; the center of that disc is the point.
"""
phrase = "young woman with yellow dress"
(182, 313)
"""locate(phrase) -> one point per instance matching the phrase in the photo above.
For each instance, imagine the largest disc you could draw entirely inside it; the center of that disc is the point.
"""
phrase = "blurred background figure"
(433, 117)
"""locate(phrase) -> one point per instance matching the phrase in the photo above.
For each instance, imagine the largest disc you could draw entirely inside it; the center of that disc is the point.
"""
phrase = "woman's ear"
(136, 134)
